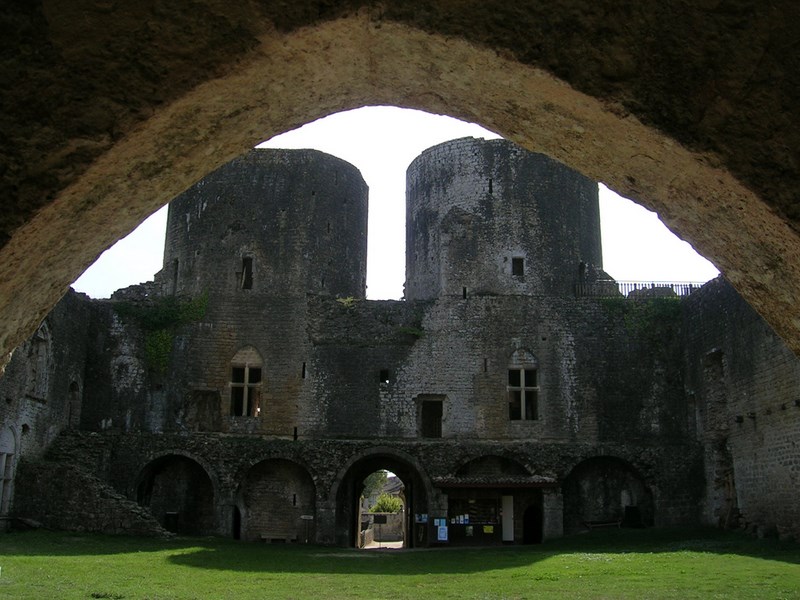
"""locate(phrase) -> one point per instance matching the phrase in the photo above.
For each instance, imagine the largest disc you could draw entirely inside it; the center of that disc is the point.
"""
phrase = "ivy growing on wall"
(653, 320)
(159, 318)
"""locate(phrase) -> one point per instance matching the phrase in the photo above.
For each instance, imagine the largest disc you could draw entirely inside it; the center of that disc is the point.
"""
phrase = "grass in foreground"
(603, 564)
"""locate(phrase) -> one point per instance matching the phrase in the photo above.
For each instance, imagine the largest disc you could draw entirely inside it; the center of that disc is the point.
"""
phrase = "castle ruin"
(516, 391)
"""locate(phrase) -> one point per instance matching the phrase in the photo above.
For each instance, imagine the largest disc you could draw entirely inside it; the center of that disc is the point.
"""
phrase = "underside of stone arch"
(112, 110)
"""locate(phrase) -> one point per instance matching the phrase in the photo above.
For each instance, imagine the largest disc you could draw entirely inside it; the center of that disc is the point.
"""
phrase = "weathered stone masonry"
(492, 385)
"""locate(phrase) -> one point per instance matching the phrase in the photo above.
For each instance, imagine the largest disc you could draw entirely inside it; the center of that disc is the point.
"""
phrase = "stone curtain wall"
(744, 380)
(234, 465)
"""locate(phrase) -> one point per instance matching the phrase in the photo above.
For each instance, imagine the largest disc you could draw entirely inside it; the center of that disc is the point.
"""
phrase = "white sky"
(381, 142)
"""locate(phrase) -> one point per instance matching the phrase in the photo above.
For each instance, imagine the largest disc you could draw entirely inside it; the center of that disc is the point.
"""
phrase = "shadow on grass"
(228, 555)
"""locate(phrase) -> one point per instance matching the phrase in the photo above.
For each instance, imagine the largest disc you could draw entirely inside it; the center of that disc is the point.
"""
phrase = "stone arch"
(606, 489)
(180, 493)
(276, 501)
(291, 75)
(347, 488)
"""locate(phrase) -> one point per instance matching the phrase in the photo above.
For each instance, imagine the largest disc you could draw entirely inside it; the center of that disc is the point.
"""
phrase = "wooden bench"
(594, 524)
(272, 537)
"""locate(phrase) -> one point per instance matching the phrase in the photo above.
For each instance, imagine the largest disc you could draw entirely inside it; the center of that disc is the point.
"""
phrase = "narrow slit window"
(383, 376)
(464, 293)
(175, 277)
(246, 281)
(490, 186)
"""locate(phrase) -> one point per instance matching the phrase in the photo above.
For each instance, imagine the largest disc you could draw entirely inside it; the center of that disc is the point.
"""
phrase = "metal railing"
(636, 289)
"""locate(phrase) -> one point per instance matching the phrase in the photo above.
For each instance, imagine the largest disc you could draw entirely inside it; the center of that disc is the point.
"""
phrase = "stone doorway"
(350, 491)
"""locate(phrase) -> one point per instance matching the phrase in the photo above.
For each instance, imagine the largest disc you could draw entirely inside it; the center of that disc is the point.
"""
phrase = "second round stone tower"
(489, 218)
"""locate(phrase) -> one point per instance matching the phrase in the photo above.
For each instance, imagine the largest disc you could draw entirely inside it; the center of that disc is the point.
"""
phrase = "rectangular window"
(518, 267)
(245, 391)
(431, 419)
(523, 395)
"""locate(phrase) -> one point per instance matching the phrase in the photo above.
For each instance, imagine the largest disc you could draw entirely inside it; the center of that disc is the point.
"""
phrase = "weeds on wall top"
(159, 318)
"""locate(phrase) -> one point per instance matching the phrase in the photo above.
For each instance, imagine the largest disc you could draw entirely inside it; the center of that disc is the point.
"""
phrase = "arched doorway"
(179, 493)
(351, 487)
(605, 490)
(276, 503)
(382, 510)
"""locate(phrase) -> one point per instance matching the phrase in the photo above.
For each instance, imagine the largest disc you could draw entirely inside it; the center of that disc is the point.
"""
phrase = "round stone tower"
(489, 218)
(274, 222)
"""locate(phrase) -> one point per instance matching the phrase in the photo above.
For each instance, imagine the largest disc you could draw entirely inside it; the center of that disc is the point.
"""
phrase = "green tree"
(387, 504)
(374, 483)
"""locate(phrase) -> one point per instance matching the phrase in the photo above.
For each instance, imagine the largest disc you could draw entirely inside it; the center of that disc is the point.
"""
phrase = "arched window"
(523, 387)
(74, 408)
(39, 363)
(246, 383)
(8, 453)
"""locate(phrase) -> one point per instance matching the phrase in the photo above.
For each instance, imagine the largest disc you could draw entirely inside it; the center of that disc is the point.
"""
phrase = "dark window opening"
(246, 280)
(329, 227)
(383, 376)
(523, 395)
(490, 186)
(431, 419)
(303, 373)
(518, 267)
(464, 293)
(485, 365)
(323, 282)
(245, 391)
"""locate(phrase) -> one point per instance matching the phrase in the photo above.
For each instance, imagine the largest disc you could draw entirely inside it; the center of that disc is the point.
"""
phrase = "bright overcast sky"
(381, 142)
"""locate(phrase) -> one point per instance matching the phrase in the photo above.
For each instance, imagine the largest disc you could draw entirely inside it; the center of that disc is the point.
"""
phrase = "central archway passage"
(351, 485)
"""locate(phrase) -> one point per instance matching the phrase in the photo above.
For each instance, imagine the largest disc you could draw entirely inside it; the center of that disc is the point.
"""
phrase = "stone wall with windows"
(42, 389)
(238, 395)
(743, 384)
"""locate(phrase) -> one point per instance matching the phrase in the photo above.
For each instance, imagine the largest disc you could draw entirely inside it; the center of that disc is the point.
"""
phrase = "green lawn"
(604, 564)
